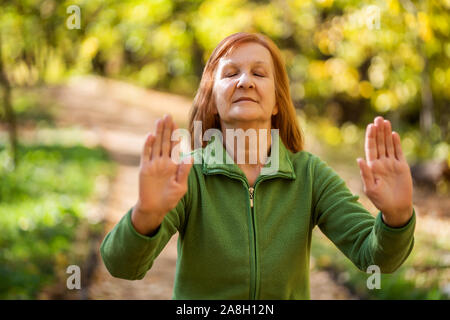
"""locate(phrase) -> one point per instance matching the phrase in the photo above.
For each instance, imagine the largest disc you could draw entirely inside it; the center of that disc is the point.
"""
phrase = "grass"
(420, 277)
(43, 204)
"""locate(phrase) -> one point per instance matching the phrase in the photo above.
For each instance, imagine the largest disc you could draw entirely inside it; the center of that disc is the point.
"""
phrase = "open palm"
(386, 174)
(162, 182)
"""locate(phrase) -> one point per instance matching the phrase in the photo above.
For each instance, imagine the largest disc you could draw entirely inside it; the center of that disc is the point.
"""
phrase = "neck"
(248, 143)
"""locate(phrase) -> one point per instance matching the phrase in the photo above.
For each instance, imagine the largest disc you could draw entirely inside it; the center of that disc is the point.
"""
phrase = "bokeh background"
(77, 100)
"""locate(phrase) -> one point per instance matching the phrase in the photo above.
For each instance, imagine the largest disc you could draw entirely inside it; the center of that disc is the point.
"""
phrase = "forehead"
(247, 53)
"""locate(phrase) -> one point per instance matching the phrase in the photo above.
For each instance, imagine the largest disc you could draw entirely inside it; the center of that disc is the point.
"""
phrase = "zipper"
(255, 285)
(254, 281)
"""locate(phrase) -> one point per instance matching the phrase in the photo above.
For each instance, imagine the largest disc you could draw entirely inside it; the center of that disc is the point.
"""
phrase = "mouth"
(244, 100)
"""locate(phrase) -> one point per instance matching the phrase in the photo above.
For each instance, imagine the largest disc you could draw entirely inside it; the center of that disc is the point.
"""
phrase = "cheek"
(222, 94)
(268, 91)
(223, 90)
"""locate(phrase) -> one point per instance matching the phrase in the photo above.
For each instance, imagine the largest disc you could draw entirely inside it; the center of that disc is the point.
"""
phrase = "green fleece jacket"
(242, 242)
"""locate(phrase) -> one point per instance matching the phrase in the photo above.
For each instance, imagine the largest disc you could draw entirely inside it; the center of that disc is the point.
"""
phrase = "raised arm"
(387, 240)
(130, 249)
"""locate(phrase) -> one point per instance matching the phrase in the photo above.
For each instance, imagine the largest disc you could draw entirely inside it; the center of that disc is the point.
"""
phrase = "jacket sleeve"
(364, 239)
(128, 254)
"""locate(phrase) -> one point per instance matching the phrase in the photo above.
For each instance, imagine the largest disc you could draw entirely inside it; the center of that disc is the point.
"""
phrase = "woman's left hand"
(386, 174)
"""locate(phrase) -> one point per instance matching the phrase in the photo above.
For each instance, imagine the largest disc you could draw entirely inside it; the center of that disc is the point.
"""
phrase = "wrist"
(397, 219)
(145, 211)
(145, 222)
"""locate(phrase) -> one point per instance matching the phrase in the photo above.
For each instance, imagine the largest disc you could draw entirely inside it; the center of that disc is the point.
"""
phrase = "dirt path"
(120, 115)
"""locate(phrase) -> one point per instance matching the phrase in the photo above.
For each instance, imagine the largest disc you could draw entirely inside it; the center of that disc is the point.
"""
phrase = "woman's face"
(246, 73)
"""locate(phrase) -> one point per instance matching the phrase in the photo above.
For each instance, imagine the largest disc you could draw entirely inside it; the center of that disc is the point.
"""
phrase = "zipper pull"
(251, 189)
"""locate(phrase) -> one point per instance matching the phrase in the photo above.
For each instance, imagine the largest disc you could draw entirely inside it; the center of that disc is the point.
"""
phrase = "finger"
(183, 170)
(166, 136)
(156, 150)
(366, 174)
(398, 146)
(147, 148)
(379, 125)
(173, 140)
(371, 146)
(388, 139)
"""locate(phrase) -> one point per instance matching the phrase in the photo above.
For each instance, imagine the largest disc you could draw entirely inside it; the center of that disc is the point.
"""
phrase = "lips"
(244, 99)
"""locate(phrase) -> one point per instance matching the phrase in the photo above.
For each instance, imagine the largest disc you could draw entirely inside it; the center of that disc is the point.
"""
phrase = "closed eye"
(232, 75)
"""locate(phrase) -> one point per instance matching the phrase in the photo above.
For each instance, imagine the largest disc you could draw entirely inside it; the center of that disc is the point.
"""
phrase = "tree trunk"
(427, 112)
(9, 112)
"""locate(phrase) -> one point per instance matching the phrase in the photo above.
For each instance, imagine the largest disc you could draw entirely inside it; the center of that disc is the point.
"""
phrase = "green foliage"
(347, 61)
(346, 142)
(42, 204)
(343, 70)
(29, 109)
(420, 277)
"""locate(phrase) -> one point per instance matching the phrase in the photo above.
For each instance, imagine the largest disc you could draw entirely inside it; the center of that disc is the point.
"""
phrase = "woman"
(244, 234)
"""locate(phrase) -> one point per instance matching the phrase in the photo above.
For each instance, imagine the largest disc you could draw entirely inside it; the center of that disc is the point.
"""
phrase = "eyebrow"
(236, 64)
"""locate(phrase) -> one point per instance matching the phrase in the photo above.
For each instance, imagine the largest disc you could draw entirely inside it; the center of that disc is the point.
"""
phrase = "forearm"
(128, 254)
(392, 245)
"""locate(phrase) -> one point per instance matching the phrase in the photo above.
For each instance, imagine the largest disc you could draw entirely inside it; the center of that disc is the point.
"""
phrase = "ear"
(275, 110)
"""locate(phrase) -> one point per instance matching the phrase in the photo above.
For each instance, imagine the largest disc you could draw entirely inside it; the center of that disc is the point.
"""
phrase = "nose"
(245, 81)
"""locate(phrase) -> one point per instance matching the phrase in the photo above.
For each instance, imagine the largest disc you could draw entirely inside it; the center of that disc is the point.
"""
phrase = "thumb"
(366, 174)
(183, 170)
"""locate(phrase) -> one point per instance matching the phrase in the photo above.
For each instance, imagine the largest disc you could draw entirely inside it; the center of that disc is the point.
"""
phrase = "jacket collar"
(212, 164)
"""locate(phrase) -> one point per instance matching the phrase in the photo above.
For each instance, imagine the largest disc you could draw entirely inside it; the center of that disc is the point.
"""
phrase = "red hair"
(203, 106)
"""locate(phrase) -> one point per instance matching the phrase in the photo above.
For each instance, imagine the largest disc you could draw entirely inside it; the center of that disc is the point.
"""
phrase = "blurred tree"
(347, 60)
(9, 112)
(427, 114)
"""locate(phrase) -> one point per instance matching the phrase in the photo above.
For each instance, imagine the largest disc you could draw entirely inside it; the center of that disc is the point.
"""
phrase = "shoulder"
(196, 172)
(307, 162)
(303, 159)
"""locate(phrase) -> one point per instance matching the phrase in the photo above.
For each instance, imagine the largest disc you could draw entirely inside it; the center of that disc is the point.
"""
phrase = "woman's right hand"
(162, 182)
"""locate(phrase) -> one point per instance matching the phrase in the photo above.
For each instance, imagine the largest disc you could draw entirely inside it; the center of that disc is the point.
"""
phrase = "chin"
(246, 117)
(246, 113)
